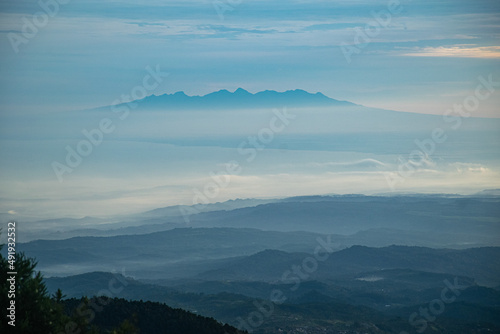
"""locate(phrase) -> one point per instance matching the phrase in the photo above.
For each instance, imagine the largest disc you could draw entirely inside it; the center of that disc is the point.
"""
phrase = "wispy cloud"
(457, 51)
(363, 164)
(462, 168)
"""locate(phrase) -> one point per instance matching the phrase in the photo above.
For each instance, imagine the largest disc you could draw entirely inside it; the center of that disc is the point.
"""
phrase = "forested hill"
(31, 310)
(130, 317)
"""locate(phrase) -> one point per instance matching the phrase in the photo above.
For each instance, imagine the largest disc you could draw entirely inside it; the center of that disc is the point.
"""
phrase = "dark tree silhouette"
(35, 311)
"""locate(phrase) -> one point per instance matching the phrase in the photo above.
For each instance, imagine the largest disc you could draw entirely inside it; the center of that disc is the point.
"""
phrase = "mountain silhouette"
(239, 99)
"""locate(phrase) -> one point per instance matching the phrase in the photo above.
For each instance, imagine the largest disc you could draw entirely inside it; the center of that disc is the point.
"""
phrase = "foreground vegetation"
(33, 310)
(357, 290)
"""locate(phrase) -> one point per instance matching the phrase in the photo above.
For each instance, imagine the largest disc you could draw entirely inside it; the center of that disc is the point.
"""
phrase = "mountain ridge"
(475, 263)
(240, 97)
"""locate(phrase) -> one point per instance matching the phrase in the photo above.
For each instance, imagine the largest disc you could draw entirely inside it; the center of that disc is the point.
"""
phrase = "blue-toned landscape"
(249, 167)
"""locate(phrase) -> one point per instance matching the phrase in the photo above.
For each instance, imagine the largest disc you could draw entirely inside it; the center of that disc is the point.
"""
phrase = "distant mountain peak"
(222, 91)
(181, 93)
(489, 192)
(240, 98)
(242, 91)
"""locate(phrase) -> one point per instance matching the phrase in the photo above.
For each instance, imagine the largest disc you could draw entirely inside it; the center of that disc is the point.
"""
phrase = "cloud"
(457, 51)
(462, 168)
(363, 164)
(11, 212)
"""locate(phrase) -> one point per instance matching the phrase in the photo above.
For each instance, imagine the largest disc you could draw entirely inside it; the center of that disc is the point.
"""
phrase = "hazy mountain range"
(171, 243)
(239, 99)
(358, 286)
(320, 146)
(340, 261)
(390, 253)
(286, 167)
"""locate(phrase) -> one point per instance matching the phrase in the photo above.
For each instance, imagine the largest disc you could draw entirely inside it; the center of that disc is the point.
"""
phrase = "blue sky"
(424, 58)
(427, 56)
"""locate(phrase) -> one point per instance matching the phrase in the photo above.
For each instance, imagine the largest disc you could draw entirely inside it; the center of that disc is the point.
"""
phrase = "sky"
(58, 57)
(420, 56)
